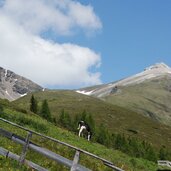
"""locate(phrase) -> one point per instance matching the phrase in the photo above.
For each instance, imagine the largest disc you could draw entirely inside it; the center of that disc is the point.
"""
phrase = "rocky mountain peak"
(13, 86)
(159, 67)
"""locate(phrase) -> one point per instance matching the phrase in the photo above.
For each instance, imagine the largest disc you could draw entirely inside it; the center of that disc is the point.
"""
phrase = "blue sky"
(135, 35)
(72, 44)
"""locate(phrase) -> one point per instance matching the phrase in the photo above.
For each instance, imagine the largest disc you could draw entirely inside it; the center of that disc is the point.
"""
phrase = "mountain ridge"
(156, 70)
(147, 93)
(13, 86)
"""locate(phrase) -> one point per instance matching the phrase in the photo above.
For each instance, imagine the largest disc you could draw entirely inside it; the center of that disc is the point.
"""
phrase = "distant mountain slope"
(13, 86)
(116, 119)
(151, 98)
(148, 92)
(157, 70)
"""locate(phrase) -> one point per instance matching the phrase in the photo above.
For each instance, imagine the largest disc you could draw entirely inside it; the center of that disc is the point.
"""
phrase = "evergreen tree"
(103, 136)
(61, 117)
(65, 120)
(151, 154)
(163, 153)
(1, 109)
(119, 141)
(133, 147)
(77, 118)
(33, 104)
(45, 111)
(91, 123)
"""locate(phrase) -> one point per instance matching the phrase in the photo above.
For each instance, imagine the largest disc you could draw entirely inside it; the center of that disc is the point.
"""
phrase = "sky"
(77, 43)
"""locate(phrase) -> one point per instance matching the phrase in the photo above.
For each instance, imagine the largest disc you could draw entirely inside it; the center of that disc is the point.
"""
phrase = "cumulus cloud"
(46, 62)
(62, 16)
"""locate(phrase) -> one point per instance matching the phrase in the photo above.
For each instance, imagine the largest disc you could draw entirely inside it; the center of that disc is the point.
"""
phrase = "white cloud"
(62, 16)
(47, 63)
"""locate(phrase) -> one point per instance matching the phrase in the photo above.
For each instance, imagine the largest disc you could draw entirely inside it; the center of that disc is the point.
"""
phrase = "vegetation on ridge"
(38, 124)
(77, 105)
(114, 118)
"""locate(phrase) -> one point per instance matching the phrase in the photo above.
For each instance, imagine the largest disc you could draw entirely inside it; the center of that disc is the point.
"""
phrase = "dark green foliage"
(65, 120)
(84, 116)
(103, 136)
(75, 122)
(91, 123)
(33, 104)
(1, 109)
(45, 111)
(164, 153)
(119, 141)
(151, 154)
(132, 146)
(117, 119)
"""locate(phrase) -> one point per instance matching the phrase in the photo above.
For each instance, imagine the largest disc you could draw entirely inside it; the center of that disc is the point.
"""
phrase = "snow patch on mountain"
(151, 72)
(13, 86)
(84, 92)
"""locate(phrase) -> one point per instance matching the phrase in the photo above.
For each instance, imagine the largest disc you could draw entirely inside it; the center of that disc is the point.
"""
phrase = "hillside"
(38, 124)
(115, 118)
(148, 92)
(151, 98)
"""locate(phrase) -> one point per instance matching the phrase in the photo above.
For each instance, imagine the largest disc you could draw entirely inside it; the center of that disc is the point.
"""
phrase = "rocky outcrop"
(13, 86)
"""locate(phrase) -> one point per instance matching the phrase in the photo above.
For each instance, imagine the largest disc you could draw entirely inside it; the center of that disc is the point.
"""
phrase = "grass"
(116, 119)
(30, 120)
(151, 98)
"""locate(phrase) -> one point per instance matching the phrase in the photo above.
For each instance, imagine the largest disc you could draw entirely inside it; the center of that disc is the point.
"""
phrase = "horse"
(84, 126)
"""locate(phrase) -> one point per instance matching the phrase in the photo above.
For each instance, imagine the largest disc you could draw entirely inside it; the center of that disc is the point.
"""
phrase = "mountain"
(116, 119)
(13, 86)
(148, 92)
(157, 70)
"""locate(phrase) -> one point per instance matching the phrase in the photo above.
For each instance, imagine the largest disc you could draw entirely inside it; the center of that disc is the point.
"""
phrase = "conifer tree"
(103, 136)
(1, 109)
(163, 153)
(33, 104)
(75, 122)
(151, 154)
(45, 111)
(65, 120)
(91, 123)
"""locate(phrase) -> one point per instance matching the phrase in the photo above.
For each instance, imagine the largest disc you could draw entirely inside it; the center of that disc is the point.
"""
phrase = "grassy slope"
(38, 124)
(117, 119)
(152, 98)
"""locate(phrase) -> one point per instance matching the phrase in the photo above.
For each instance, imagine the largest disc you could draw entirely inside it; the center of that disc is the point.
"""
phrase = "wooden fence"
(164, 163)
(27, 144)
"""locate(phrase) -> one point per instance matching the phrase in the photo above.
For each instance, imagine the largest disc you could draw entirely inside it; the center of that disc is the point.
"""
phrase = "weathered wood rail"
(27, 144)
(164, 163)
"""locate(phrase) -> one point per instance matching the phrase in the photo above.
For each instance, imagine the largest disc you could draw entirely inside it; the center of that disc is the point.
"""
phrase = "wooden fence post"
(25, 147)
(75, 161)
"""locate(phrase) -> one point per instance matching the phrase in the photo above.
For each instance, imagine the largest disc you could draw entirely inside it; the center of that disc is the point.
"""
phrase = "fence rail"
(11, 155)
(164, 163)
(27, 144)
